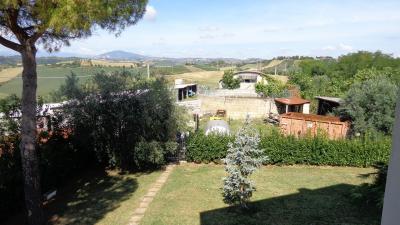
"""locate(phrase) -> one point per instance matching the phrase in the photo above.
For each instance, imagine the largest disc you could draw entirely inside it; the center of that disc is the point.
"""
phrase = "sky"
(254, 29)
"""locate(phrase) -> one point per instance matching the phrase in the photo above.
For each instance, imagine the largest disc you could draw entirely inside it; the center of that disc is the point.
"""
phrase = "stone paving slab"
(149, 196)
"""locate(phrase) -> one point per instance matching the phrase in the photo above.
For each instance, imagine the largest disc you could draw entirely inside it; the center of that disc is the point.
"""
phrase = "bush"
(170, 147)
(202, 148)
(228, 80)
(148, 155)
(281, 150)
(119, 113)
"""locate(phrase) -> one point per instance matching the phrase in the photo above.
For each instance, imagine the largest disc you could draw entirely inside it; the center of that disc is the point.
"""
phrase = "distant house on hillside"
(248, 79)
(326, 105)
(293, 104)
(184, 90)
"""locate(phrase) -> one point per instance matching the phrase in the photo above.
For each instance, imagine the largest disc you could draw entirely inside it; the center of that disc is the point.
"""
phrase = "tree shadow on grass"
(89, 198)
(329, 205)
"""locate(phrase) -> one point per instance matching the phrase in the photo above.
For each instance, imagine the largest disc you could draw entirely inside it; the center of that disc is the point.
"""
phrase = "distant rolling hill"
(121, 55)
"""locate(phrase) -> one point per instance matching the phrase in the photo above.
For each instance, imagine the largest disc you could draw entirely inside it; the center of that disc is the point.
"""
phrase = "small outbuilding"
(326, 105)
(184, 90)
(217, 127)
(293, 104)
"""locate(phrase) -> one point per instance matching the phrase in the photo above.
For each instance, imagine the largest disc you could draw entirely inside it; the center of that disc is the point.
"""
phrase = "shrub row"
(211, 148)
(282, 150)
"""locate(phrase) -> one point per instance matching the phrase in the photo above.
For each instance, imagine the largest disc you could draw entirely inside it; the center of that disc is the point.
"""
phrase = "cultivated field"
(113, 63)
(273, 63)
(208, 78)
(194, 69)
(7, 74)
(50, 78)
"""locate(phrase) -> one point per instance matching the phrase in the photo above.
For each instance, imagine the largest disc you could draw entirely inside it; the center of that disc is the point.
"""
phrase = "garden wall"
(238, 107)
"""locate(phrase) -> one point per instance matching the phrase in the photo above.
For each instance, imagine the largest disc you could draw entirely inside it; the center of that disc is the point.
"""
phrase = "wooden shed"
(299, 124)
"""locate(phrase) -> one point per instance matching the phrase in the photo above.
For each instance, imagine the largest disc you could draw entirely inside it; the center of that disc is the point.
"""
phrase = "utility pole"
(148, 71)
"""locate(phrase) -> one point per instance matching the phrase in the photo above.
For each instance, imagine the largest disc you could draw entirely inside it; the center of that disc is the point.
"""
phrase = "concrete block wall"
(238, 107)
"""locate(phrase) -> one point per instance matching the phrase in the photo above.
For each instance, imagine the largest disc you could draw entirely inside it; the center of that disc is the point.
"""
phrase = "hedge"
(202, 148)
(282, 150)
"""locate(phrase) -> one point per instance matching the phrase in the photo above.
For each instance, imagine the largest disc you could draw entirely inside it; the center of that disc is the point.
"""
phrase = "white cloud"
(151, 13)
(207, 36)
(271, 29)
(228, 35)
(341, 47)
(329, 48)
(160, 41)
(88, 51)
(209, 28)
(345, 47)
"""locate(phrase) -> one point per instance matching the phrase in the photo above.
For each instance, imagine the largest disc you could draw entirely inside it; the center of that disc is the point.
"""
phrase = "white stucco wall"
(306, 108)
(391, 206)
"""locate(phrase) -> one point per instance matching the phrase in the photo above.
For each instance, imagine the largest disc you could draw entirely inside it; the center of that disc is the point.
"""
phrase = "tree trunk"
(29, 155)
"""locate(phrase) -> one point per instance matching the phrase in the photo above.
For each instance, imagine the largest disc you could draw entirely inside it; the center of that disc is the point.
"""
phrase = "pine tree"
(243, 158)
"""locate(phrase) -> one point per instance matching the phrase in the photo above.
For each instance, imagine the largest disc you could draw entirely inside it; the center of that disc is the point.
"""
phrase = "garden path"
(148, 198)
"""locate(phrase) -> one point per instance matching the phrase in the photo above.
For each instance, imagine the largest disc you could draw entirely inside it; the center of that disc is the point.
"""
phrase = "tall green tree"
(26, 23)
(228, 80)
(371, 105)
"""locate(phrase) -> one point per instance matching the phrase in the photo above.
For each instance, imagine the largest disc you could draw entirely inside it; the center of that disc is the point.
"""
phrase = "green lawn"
(97, 197)
(235, 125)
(105, 199)
(285, 195)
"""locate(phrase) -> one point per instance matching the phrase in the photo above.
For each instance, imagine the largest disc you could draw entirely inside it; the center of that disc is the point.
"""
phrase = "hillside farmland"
(50, 78)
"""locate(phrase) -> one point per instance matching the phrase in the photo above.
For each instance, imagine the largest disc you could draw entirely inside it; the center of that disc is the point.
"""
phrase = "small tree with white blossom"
(243, 158)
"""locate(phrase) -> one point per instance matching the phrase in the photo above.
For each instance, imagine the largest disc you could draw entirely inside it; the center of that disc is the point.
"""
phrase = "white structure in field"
(248, 79)
(217, 127)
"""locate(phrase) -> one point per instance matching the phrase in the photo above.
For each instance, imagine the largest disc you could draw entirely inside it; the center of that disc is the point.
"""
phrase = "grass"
(235, 125)
(126, 64)
(7, 74)
(285, 195)
(97, 197)
(206, 67)
(194, 68)
(206, 78)
(50, 78)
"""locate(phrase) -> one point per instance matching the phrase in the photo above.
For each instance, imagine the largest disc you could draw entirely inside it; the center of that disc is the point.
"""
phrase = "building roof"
(292, 101)
(248, 72)
(310, 117)
(330, 99)
(180, 86)
(247, 75)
